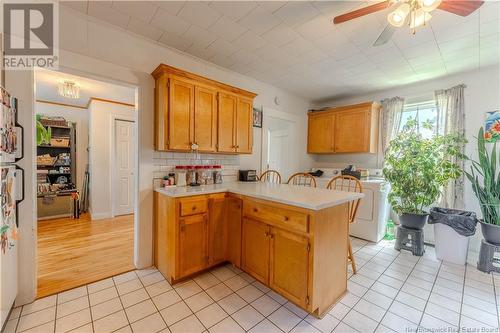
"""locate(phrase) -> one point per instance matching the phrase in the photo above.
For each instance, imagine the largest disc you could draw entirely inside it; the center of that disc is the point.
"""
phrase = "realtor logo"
(30, 30)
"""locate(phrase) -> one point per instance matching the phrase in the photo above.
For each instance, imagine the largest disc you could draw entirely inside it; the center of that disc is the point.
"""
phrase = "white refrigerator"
(11, 193)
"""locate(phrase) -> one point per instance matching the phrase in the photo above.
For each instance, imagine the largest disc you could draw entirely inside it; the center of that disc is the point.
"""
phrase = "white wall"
(101, 142)
(481, 95)
(81, 118)
(97, 50)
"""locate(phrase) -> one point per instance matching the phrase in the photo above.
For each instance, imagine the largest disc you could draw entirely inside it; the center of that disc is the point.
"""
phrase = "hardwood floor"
(72, 253)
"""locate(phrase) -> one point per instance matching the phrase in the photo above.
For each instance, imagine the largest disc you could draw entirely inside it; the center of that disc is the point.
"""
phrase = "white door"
(279, 151)
(123, 197)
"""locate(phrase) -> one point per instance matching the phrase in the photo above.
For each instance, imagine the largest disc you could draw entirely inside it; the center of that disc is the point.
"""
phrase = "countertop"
(299, 196)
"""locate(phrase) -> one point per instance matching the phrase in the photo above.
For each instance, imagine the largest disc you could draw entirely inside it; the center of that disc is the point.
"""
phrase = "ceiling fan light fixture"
(397, 17)
(429, 5)
(419, 18)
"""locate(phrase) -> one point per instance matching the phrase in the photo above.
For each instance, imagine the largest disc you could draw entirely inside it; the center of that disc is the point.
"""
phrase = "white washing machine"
(373, 210)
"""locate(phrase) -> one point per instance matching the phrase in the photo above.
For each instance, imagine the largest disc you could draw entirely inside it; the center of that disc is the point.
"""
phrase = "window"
(422, 111)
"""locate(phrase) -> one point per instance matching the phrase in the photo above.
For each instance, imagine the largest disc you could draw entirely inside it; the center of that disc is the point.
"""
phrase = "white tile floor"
(392, 292)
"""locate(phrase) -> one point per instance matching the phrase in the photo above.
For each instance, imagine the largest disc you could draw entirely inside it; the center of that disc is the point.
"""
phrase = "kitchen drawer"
(287, 218)
(193, 205)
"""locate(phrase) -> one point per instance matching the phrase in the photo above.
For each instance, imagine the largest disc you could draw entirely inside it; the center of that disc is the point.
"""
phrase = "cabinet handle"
(255, 210)
(183, 227)
(267, 233)
(194, 208)
(286, 218)
(271, 236)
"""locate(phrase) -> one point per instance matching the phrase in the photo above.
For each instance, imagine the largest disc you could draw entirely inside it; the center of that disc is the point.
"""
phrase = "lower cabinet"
(217, 229)
(193, 246)
(255, 249)
(289, 265)
(233, 221)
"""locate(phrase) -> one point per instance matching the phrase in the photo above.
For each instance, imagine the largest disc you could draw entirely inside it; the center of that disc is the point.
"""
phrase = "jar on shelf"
(209, 179)
(191, 175)
(217, 174)
(180, 175)
(200, 174)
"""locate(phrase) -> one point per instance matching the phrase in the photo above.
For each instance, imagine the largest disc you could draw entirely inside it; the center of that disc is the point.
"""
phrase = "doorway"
(279, 142)
(86, 145)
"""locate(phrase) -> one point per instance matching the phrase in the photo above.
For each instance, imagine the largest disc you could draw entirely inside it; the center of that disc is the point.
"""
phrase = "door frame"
(132, 120)
(272, 113)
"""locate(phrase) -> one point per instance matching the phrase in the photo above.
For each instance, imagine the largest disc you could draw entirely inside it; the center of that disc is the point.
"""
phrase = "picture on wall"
(492, 126)
(257, 118)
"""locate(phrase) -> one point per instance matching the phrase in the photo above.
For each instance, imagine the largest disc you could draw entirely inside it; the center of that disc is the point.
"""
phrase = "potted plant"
(417, 169)
(485, 178)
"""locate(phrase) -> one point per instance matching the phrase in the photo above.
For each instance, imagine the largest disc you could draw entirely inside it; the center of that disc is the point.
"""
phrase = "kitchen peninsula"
(293, 239)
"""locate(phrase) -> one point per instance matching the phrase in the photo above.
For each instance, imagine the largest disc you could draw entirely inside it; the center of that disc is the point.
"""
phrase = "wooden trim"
(97, 99)
(364, 105)
(88, 104)
(162, 68)
(61, 104)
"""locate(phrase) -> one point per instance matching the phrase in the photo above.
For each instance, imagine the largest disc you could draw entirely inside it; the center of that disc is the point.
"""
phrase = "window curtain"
(392, 111)
(451, 119)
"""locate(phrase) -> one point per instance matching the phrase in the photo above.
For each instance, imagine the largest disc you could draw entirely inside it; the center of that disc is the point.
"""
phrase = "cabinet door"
(320, 133)
(161, 113)
(289, 265)
(233, 221)
(255, 249)
(205, 119)
(193, 256)
(244, 126)
(352, 131)
(181, 114)
(226, 129)
(217, 229)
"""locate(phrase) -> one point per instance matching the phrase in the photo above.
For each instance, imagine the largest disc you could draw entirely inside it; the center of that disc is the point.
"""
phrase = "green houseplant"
(417, 169)
(485, 179)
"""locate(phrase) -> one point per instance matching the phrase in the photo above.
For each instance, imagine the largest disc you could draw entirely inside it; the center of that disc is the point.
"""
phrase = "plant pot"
(491, 232)
(450, 245)
(413, 221)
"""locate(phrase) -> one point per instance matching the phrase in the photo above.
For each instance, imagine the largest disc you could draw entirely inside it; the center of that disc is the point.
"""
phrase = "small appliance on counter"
(350, 170)
(247, 175)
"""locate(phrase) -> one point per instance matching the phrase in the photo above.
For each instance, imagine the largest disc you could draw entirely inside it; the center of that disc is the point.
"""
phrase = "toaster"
(247, 175)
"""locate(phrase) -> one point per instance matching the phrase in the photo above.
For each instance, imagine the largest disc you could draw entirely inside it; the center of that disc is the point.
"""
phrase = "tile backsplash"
(165, 162)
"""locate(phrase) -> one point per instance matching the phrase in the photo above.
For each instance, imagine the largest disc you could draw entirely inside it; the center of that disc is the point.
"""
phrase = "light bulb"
(398, 16)
(429, 5)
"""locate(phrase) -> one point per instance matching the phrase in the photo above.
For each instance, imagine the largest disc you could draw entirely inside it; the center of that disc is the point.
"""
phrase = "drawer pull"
(255, 210)
(194, 208)
(286, 218)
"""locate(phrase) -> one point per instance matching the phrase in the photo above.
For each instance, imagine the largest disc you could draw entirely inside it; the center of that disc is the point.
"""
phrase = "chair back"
(302, 179)
(347, 184)
(270, 176)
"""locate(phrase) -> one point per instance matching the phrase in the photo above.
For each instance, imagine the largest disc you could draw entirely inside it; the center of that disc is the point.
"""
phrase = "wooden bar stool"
(270, 176)
(348, 184)
(302, 179)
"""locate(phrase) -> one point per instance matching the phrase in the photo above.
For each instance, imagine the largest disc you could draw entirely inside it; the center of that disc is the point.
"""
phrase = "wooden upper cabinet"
(228, 105)
(191, 109)
(320, 133)
(244, 126)
(205, 119)
(347, 129)
(181, 115)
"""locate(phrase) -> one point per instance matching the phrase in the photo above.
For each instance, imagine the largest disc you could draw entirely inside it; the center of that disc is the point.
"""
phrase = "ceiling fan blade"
(385, 36)
(361, 12)
(459, 7)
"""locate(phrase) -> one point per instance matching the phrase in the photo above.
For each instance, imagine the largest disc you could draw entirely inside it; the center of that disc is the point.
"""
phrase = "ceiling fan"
(414, 13)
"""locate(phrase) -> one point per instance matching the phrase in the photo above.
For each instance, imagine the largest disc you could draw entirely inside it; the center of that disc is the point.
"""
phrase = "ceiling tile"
(489, 11)
(198, 36)
(298, 46)
(259, 21)
(172, 7)
(199, 13)
(335, 8)
(222, 60)
(403, 37)
(422, 49)
(271, 6)
(144, 29)
(104, 11)
(250, 41)
(233, 9)
(280, 35)
(344, 51)
(227, 29)
(460, 43)
(200, 52)
(169, 23)
(141, 10)
(243, 58)
(295, 13)
(313, 56)
(318, 27)
(490, 27)
(174, 41)
(331, 41)
(268, 53)
(221, 47)
(80, 6)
